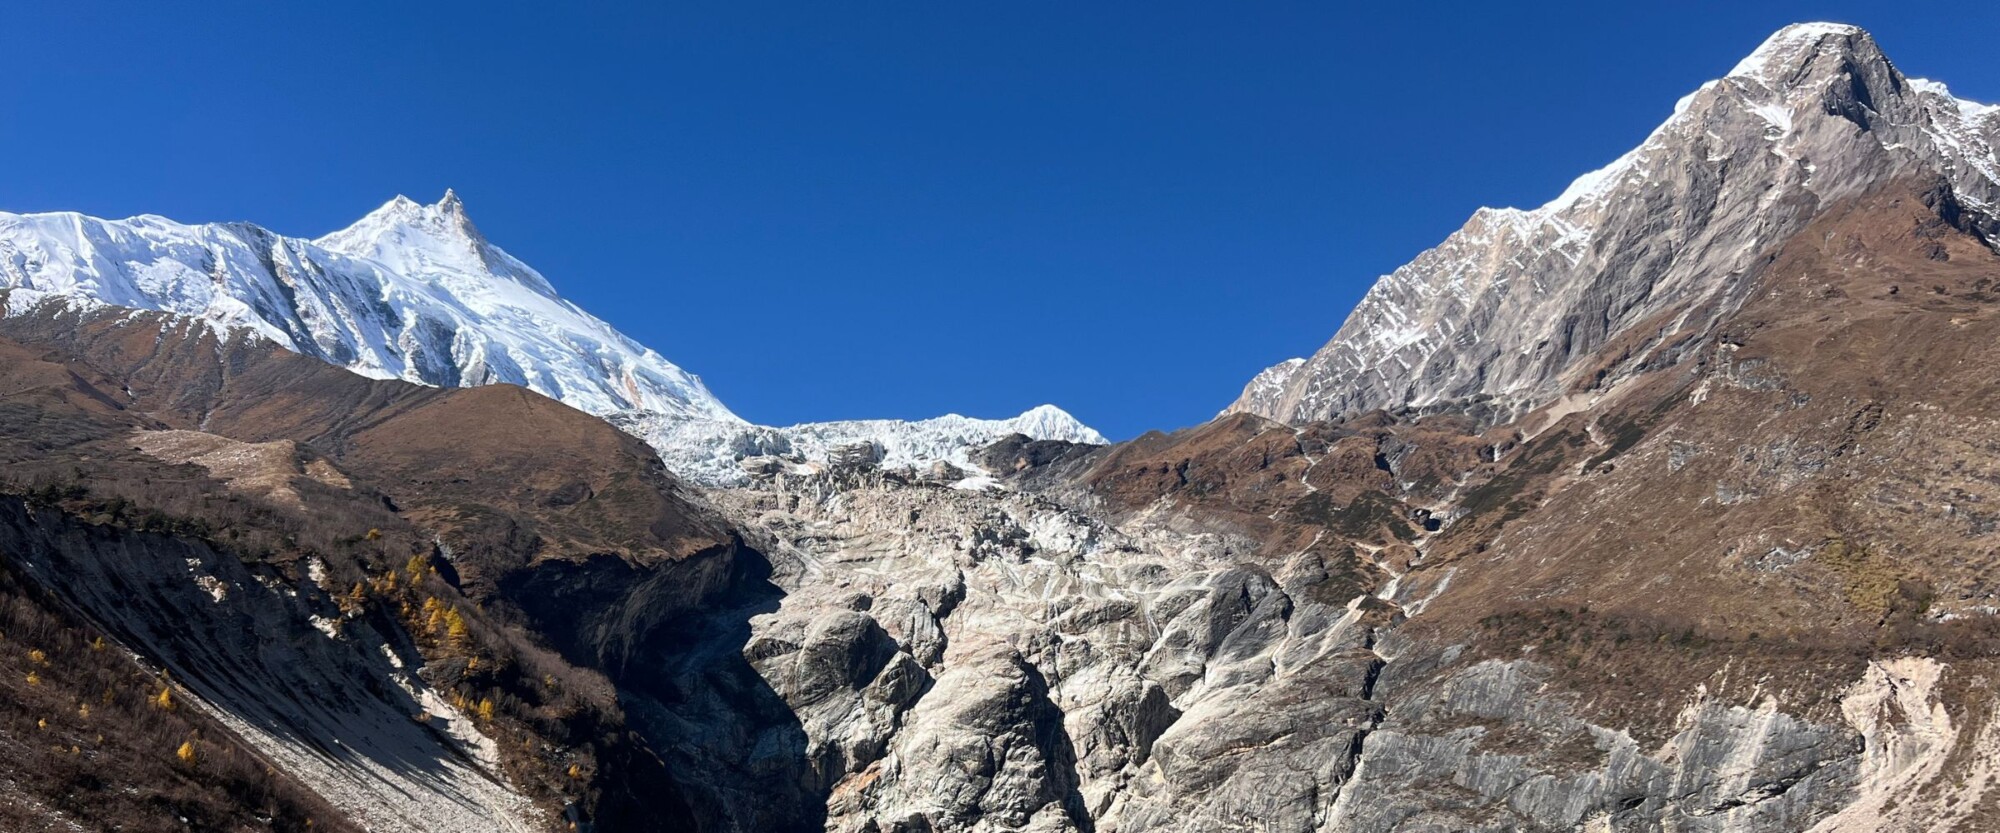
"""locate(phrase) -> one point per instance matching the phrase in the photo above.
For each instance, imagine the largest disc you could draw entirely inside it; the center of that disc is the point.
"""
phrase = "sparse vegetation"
(1622, 433)
(549, 714)
(1874, 583)
(82, 735)
(551, 718)
(1635, 671)
(1371, 516)
(1505, 492)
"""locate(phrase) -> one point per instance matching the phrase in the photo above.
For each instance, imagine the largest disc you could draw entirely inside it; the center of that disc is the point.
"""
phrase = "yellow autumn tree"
(486, 709)
(165, 699)
(454, 627)
(186, 752)
(34, 678)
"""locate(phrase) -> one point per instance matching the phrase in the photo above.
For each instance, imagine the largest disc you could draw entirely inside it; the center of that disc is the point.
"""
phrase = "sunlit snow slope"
(415, 292)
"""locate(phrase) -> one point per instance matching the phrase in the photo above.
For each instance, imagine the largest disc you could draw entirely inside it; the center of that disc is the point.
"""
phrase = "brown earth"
(522, 506)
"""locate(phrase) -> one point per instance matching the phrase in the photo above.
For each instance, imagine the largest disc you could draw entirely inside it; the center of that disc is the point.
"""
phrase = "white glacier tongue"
(707, 451)
(411, 292)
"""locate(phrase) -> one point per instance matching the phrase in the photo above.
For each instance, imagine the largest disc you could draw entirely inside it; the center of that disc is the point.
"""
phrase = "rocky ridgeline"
(1653, 249)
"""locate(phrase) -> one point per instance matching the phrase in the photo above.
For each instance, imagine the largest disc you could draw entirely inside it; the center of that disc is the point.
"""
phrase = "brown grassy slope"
(519, 476)
(1813, 489)
(513, 484)
(1364, 479)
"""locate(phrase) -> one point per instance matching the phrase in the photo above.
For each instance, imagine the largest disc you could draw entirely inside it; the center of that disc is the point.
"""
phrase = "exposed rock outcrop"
(1509, 312)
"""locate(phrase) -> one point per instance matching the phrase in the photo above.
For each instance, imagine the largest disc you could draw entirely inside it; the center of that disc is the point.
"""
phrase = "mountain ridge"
(1491, 318)
(440, 323)
(416, 292)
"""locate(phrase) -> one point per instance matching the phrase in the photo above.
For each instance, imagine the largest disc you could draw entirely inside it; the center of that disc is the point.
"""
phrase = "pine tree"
(455, 628)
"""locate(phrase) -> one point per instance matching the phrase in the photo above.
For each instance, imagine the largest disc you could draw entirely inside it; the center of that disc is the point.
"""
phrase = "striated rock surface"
(1508, 313)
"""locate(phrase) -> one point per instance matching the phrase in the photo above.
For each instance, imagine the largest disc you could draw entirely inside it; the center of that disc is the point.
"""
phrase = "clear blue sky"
(853, 209)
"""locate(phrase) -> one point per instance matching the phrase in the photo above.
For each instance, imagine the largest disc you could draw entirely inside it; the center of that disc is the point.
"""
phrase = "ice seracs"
(708, 451)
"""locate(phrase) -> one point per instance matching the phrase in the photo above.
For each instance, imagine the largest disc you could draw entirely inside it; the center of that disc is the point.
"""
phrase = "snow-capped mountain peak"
(1776, 60)
(1050, 422)
(1493, 318)
(437, 242)
(410, 292)
(415, 292)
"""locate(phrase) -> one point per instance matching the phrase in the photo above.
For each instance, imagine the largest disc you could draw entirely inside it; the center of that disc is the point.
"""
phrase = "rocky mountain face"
(1509, 312)
(1713, 563)
(1718, 559)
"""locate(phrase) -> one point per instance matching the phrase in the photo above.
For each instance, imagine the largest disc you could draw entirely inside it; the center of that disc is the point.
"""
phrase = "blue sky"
(898, 209)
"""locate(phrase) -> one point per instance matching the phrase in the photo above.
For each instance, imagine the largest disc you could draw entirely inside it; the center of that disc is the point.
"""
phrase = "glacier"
(706, 450)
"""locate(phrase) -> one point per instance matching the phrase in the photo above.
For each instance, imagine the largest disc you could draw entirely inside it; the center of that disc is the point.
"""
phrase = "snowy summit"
(416, 292)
